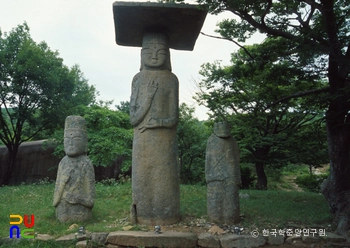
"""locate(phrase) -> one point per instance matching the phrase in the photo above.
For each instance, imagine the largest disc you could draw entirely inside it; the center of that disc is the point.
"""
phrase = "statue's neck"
(154, 69)
(77, 158)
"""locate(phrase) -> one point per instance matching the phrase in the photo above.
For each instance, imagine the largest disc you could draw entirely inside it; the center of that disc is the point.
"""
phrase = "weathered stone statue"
(223, 176)
(75, 184)
(154, 116)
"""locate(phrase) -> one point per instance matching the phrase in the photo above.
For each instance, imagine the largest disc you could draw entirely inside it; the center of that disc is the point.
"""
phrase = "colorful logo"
(28, 232)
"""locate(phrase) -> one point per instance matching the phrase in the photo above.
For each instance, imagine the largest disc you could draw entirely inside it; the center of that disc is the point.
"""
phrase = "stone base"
(157, 221)
(233, 240)
(172, 239)
(151, 239)
(66, 212)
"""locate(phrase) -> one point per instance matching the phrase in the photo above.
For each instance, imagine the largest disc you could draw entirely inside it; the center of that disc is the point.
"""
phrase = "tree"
(308, 145)
(109, 135)
(245, 93)
(311, 27)
(37, 91)
(192, 136)
(124, 107)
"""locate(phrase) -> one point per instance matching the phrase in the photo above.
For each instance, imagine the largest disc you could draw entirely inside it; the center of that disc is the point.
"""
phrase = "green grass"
(278, 209)
(193, 200)
(264, 209)
(293, 169)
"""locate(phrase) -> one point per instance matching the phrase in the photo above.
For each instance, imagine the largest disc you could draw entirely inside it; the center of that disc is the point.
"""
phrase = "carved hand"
(152, 89)
(151, 123)
(72, 198)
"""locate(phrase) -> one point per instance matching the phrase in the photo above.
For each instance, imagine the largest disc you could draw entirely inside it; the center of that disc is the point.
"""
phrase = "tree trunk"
(7, 169)
(336, 188)
(262, 179)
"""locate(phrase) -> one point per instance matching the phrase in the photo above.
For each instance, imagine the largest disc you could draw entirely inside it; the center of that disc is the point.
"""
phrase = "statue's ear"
(168, 61)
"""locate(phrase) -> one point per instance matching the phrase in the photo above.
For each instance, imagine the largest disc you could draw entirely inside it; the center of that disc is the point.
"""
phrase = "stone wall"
(34, 163)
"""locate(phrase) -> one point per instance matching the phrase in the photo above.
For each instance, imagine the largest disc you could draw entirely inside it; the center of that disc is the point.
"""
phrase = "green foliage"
(302, 22)
(37, 91)
(313, 151)
(247, 94)
(311, 182)
(297, 176)
(192, 136)
(124, 107)
(316, 37)
(110, 136)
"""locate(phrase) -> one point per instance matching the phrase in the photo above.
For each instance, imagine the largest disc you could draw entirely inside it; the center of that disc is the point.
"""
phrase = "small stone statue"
(75, 183)
(154, 114)
(223, 176)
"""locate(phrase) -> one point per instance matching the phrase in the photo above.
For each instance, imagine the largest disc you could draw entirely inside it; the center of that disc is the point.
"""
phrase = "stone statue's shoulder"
(85, 161)
(64, 165)
(88, 162)
(64, 160)
(136, 77)
(212, 138)
(173, 77)
(232, 141)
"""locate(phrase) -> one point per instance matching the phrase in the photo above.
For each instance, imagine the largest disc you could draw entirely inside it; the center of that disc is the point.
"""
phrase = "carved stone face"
(154, 55)
(222, 129)
(75, 143)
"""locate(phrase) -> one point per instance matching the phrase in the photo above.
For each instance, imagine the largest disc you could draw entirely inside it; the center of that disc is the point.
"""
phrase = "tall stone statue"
(75, 183)
(223, 176)
(154, 113)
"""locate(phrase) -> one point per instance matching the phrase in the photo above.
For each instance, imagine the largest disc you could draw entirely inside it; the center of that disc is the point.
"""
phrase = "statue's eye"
(146, 51)
(162, 52)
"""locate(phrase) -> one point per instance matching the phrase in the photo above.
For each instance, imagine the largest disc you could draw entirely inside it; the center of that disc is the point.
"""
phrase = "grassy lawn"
(263, 209)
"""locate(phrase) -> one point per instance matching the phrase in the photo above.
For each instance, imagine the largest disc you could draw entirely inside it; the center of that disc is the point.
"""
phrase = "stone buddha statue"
(75, 183)
(154, 114)
(223, 176)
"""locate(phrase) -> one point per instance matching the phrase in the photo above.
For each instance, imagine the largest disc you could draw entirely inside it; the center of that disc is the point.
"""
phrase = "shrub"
(311, 182)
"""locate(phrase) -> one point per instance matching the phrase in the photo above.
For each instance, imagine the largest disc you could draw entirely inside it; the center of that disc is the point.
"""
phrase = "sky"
(82, 31)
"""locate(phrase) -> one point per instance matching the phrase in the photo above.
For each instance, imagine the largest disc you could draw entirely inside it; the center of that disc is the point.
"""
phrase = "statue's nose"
(154, 55)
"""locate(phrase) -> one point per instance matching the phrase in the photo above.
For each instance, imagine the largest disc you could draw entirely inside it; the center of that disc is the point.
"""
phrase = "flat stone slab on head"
(181, 22)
